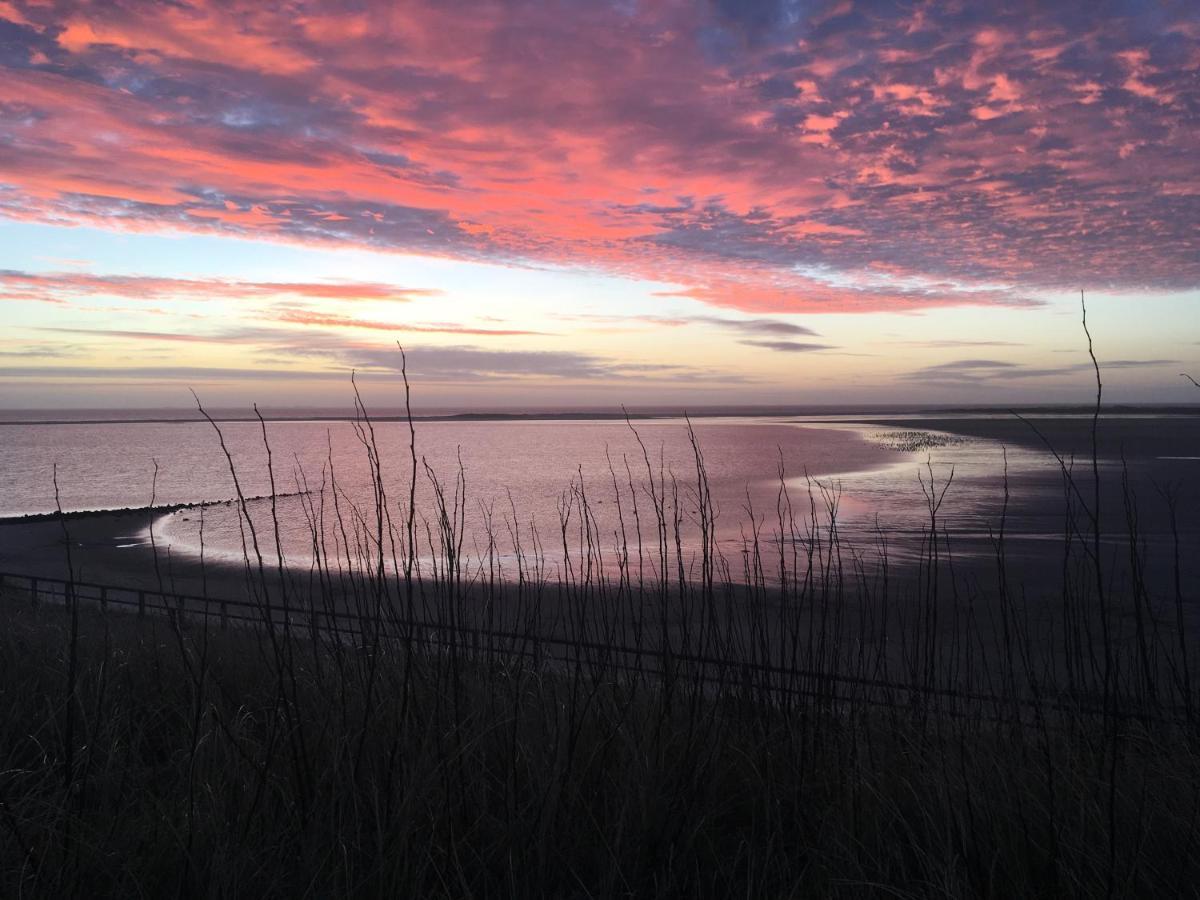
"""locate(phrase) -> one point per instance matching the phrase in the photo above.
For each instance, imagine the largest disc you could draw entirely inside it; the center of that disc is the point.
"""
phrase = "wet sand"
(109, 548)
(1139, 438)
(1161, 454)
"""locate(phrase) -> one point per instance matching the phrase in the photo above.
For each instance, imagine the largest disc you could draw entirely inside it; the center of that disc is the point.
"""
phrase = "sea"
(518, 486)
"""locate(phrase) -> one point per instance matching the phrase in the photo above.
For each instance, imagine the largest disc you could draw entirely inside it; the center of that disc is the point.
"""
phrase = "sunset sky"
(590, 203)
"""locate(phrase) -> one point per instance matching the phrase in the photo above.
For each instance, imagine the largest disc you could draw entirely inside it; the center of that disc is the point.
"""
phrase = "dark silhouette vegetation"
(625, 714)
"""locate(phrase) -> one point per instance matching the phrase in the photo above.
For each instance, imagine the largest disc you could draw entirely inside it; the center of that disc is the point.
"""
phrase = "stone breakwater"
(137, 510)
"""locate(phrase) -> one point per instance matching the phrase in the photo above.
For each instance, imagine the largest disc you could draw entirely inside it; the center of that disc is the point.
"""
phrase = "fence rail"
(494, 644)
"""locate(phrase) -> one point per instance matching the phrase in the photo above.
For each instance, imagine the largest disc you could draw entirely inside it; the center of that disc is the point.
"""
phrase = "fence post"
(141, 604)
(104, 599)
(33, 591)
(224, 614)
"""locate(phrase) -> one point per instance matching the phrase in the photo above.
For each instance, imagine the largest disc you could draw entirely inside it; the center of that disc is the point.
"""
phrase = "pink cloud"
(309, 317)
(727, 151)
(61, 287)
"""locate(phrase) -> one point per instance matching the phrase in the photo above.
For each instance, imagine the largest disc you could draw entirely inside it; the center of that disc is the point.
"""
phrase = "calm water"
(525, 477)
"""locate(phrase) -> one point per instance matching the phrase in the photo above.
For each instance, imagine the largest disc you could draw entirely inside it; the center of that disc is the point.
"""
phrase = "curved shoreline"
(128, 546)
(114, 545)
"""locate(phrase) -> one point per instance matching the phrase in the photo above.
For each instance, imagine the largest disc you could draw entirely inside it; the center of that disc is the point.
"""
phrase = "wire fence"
(494, 646)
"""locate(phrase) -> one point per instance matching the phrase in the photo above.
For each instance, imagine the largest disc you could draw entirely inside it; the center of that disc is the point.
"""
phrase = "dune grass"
(203, 767)
(840, 728)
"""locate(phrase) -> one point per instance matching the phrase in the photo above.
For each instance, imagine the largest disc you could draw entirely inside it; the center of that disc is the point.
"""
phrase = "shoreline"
(118, 546)
(109, 548)
(115, 546)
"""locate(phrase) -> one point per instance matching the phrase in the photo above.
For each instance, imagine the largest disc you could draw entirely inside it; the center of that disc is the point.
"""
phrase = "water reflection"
(564, 491)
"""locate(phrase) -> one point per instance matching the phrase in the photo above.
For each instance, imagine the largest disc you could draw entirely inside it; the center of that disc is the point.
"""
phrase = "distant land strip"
(642, 415)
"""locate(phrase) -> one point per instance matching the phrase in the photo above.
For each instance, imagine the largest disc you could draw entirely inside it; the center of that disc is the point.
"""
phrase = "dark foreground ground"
(153, 758)
(1015, 730)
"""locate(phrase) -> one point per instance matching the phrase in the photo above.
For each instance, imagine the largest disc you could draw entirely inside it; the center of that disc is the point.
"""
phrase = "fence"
(491, 645)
